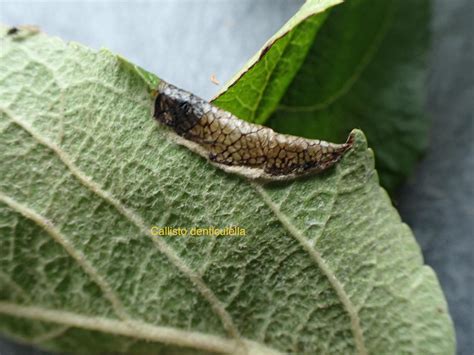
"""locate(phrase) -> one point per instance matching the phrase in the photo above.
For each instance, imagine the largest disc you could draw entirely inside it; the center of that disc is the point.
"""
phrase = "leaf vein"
(320, 262)
(57, 236)
(134, 218)
(134, 329)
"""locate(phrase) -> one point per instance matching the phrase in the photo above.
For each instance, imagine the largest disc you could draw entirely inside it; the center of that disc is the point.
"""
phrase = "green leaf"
(326, 265)
(365, 69)
(258, 87)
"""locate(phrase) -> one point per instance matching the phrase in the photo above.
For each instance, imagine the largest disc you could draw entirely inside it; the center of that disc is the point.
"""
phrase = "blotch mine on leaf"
(238, 146)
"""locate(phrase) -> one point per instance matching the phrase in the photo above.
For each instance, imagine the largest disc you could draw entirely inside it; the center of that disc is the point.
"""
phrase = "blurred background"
(186, 42)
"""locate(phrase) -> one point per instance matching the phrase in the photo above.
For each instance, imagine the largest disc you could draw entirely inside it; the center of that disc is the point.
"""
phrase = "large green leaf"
(326, 265)
(365, 68)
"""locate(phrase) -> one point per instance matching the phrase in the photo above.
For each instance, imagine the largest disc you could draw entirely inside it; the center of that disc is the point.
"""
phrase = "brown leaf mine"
(238, 146)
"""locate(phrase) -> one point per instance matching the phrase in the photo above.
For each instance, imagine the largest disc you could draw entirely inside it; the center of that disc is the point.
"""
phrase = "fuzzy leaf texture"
(329, 69)
(326, 265)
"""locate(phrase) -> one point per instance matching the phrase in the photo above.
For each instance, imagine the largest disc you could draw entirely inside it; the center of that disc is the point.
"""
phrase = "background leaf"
(365, 68)
(255, 91)
(326, 262)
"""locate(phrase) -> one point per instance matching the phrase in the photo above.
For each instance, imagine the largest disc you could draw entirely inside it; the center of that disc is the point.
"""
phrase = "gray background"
(185, 42)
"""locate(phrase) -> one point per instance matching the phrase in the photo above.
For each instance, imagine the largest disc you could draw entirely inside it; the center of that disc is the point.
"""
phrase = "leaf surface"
(326, 265)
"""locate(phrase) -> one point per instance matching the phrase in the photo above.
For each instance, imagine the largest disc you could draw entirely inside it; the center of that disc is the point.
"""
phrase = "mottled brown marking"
(227, 140)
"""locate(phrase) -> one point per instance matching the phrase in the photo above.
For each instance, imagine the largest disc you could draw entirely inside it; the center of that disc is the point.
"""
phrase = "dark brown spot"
(264, 51)
(12, 30)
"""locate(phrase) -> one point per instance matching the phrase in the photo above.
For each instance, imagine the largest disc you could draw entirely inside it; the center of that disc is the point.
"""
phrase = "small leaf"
(326, 264)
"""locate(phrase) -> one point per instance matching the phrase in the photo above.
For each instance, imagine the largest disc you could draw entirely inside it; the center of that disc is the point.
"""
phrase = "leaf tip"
(358, 140)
